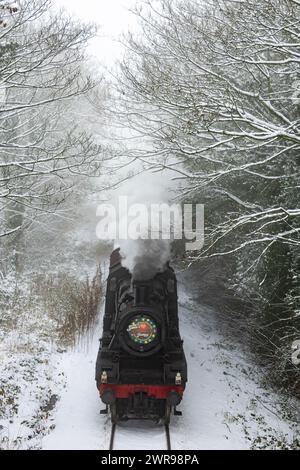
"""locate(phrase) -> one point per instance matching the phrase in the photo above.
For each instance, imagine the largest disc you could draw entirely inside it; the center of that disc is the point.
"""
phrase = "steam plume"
(146, 257)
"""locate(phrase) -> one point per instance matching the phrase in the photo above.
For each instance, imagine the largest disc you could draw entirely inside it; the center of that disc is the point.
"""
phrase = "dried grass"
(71, 303)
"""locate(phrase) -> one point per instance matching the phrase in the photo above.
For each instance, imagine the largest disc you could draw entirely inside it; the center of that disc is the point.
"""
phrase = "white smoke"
(145, 257)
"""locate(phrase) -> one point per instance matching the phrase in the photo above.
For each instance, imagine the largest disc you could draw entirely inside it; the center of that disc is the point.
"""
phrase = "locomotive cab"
(141, 368)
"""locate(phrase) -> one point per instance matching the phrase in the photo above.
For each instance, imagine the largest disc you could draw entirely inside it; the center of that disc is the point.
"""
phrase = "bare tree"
(216, 88)
(42, 73)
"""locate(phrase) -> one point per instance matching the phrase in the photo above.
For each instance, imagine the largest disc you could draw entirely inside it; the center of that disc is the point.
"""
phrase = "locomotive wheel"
(167, 416)
(113, 413)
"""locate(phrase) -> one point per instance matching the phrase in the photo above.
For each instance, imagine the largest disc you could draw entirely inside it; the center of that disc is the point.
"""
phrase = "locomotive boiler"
(141, 370)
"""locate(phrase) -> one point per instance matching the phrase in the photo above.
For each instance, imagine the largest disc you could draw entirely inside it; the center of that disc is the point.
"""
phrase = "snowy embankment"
(31, 379)
(224, 405)
(42, 312)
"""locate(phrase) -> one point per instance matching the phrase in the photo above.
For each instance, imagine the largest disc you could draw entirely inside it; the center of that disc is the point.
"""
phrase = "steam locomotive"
(141, 369)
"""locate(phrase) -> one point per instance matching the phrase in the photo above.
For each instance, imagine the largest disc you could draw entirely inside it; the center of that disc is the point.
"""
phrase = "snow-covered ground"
(31, 379)
(48, 397)
(224, 405)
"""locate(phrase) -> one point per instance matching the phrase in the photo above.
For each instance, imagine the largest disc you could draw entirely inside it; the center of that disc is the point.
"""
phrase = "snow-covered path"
(77, 419)
(224, 406)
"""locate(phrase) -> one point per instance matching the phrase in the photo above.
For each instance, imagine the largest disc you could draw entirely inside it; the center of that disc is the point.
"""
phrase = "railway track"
(112, 436)
(113, 433)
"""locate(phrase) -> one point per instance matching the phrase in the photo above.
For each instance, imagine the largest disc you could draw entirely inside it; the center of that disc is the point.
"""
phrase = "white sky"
(112, 16)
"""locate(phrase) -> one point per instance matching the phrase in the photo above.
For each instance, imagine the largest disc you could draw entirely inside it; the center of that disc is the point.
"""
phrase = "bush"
(70, 302)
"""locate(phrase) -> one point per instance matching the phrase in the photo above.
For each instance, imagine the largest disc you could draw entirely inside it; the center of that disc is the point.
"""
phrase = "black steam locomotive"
(141, 369)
